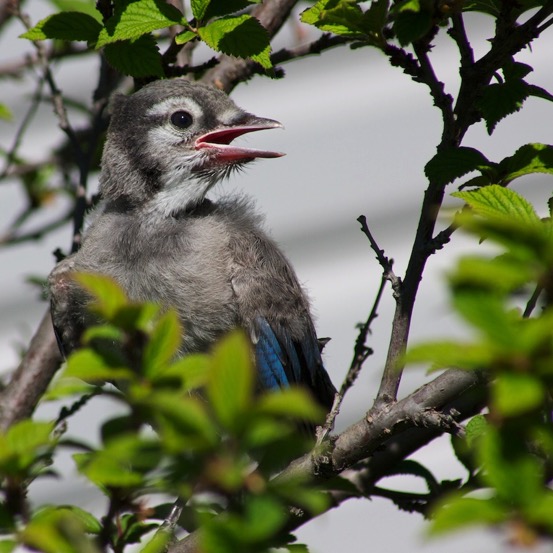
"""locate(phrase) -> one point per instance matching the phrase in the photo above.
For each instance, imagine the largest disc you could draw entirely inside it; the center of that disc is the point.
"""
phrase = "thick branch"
(29, 382)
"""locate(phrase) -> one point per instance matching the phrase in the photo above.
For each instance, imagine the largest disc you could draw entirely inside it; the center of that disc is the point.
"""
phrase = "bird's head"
(171, 141)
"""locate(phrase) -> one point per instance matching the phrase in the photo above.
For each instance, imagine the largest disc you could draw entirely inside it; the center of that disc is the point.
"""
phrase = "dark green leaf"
(375, 18)
(448, 165)
(133, 20)
(231, 380)
(501, 99)
(241, 36)
(199, 8)
(409, 26)
(530, 158)
(138, 58)
(66, 26)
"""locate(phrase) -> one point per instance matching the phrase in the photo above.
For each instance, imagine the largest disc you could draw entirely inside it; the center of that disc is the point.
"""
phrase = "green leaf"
(7, 546)
(231, 380)
(89, 522)
(264, 517)
(295, 403)
(530, 158)
(199, 8)
(499, 202)
(513, 394)
(158, 543)
(132, 20)
(185, 36)
(241, 36)
(183, 422)
(27, 436)
(448, 165)
(192, 370)
(163, 343)
(84, 6)
(375, 18)
(475, 429)
(457, 512)
(5, 113)
(409, 25)
(217, 8)
(72, 26)
(108, 294)
(63, 387)
(501, 99)
(449, 354)
(137, 58)
(90, 366)
(341, 17)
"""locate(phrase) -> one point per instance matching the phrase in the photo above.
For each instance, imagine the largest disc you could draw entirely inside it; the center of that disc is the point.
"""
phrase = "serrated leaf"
(230, 383)
(495, 201)
(134, 19)
(530, 158)
(501, 99)
(291, 402)
(241, 36)
(199, 8)
(163, 343)
(341, 17)
(137, 58)
(375, 18)
(409, 26)
(514, 394)
(448, 165)
(71, 26)
(458, 512)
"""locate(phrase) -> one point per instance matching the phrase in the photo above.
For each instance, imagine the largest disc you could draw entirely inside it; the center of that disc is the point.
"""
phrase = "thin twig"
(323, 43)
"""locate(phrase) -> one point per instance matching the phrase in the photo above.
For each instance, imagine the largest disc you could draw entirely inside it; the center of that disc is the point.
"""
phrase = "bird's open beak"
(219, 141)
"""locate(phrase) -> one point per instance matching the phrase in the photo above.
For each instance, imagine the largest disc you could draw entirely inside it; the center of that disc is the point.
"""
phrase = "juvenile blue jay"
(159, 237)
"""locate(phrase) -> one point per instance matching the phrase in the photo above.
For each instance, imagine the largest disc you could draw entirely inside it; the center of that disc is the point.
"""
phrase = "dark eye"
(181, 119)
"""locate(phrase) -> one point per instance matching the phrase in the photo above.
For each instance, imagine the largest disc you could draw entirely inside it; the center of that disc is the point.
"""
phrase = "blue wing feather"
(282, 361)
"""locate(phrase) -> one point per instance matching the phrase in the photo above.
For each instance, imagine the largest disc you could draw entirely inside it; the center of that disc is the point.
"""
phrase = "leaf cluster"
(193, 427)
(126, 34)
(507, 451)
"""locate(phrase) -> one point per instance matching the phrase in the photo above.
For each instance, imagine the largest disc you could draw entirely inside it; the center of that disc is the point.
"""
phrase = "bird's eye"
(181, 119)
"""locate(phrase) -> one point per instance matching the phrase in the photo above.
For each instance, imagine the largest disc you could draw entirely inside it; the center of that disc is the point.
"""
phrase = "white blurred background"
(357, 136)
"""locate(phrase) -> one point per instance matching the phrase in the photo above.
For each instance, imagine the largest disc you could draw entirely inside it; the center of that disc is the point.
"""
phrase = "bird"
(162, 240)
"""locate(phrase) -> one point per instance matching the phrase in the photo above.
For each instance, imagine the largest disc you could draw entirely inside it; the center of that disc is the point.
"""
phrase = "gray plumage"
(159, 237)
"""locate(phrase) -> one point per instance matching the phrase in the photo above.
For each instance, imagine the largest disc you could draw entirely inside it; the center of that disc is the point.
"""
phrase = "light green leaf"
(514, 394)
(530, 158)
(138, 58)
(192, 370)
(341, 17)
(241, 36)
(499, 202)
(90, 366)
(7, 546)
(90, 523)
(295, 403)
(134, 19)
(448, 165)
(108, 294)
(158, 543)
(451, 354)
(5, 113)
(64, 387)
(264, 517)
(199, 8)
(84, 6)
(71, 26)
(457, 512)
(163, 343)
(185, 36)
(230, 383)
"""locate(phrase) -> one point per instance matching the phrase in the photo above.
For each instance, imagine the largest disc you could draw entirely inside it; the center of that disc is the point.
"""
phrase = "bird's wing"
(274, 310)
